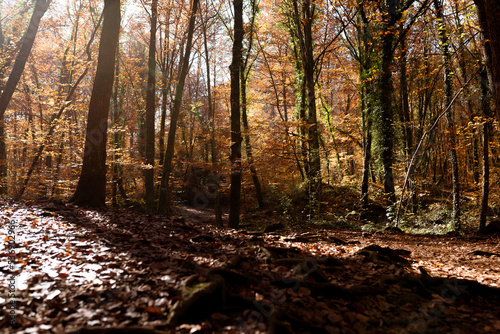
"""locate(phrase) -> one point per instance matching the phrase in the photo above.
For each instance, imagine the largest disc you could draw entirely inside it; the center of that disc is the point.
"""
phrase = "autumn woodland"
(231, 123)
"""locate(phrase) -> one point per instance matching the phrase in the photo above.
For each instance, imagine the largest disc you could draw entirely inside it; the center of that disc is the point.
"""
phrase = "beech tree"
(235, 68)
(151, 112)
(91, 188)
(488, 13)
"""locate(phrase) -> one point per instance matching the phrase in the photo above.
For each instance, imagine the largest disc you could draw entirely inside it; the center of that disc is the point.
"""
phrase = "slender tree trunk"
(164, 202)
(485, 188)
(164, 102)
(405, 107)
(116, 137)
(235, 68)
(91, 188)
(244, 74)
(406, 119)
(211, 115)
(248, 145)
(58, 168)
(303, 20)
(151, 113)
(443, 36)
(41, 7)
(365, 51)
(387, 113)
(367, 151)
(166, 74)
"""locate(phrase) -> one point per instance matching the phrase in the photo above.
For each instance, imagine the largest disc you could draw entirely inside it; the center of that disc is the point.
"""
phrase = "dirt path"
(77, 268)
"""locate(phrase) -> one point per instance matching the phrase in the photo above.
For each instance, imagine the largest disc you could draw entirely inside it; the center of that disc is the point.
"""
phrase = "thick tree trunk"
(235, 204)
(91, 188)
(489, 12)
(41, 7)
(164, 201)
(151, 113)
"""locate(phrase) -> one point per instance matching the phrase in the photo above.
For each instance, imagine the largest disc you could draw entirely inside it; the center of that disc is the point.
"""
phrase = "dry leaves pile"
(78, 268)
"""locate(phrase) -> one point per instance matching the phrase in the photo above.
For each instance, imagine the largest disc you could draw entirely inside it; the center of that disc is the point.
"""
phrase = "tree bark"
(91, 188)
(485, 187)
(303, 20)
(488, 13)
(235, 68)
(211, 115)
(365, 59)
(164, 201)
(244, 74)
(41, 7)
(248, 144)
(443, 36)
(151, 113)
(386, 98)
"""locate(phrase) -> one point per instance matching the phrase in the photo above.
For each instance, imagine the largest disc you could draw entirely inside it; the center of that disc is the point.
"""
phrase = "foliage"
(347, 48)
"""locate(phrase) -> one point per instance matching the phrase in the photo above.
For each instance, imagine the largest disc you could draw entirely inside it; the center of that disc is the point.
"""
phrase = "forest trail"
(79, 268)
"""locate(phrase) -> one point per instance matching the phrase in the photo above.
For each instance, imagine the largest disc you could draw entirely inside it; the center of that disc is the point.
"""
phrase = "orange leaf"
(154, 310)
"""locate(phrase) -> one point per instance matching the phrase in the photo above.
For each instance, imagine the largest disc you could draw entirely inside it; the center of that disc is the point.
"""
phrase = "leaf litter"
(116, 271)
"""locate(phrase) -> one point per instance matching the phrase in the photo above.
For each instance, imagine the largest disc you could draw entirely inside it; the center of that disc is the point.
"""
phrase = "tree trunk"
(406, 119)
(166, 75)
(367, 150)
(164, 201)
(150, 113)
(244, 73)
(41, 7)
(91, 188)
(488, 13)
(303, 20)
(443, 36)
(387, 114)
(248, 145)
(211, 115)
(235, 68)
(485, 188)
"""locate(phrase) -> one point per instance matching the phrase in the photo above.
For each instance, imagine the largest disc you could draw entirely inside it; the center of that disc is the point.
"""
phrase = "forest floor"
(118, 271)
